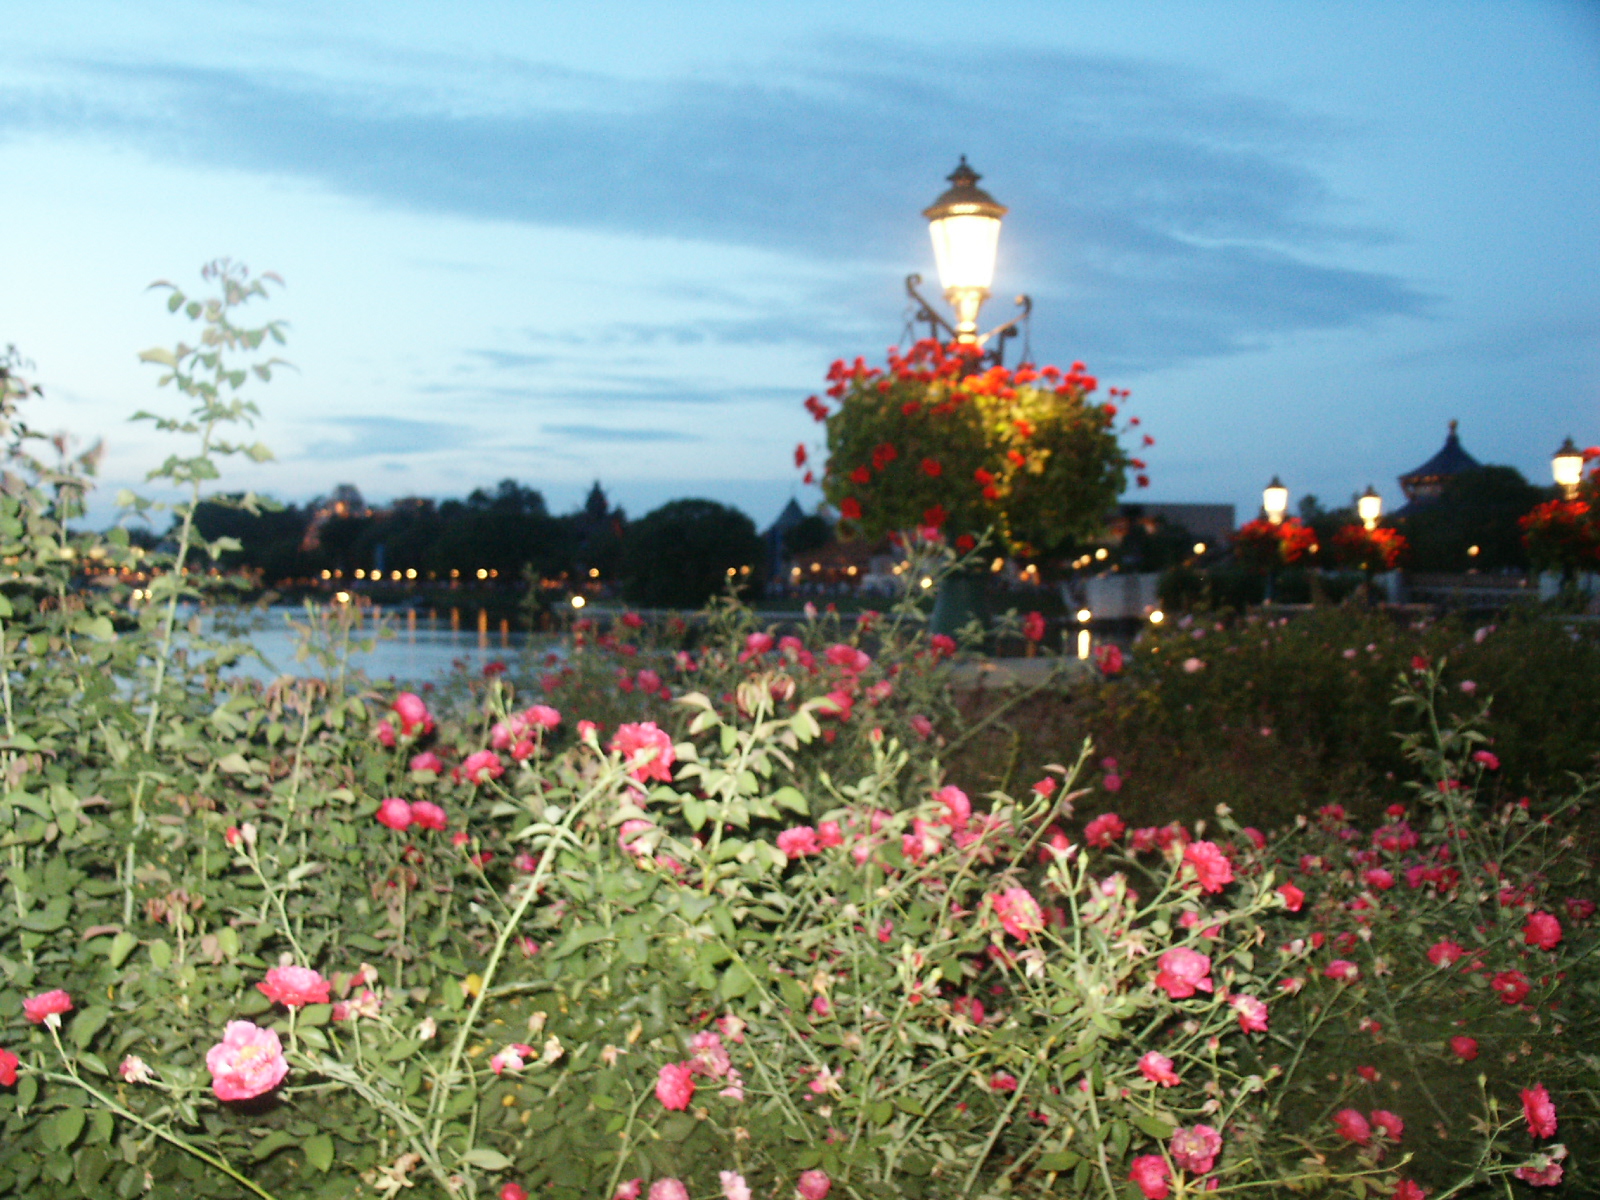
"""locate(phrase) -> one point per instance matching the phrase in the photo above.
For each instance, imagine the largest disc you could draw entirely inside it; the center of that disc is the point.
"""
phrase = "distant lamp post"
(965, 226)
(1567, 467)
(1369, 506)
(1275, 500)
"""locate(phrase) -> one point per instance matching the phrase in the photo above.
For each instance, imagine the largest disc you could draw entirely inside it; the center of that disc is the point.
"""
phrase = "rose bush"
(749, 940)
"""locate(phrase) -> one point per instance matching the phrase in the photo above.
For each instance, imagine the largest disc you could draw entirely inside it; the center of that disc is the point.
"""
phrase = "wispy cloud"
(603, 433)
(368, 436)
(1189, 221)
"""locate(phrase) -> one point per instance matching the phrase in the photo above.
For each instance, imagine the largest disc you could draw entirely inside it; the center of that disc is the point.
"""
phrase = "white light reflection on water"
(412, 647)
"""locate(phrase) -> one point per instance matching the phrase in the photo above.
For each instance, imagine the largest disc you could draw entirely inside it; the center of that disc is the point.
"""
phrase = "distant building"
(774, 535)
(1424, 485)
(1207, 522)
(346, 501)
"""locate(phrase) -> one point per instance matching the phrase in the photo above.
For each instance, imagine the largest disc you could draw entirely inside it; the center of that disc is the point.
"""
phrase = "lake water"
(417, 648)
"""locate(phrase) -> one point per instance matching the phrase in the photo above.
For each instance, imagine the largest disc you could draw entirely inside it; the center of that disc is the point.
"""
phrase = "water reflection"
(407, 646)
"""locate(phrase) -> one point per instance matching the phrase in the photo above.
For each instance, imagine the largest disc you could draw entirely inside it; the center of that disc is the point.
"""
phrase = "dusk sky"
(624, 241)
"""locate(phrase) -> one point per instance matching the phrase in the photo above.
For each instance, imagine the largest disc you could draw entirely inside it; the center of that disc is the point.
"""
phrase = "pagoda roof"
(1451, 460)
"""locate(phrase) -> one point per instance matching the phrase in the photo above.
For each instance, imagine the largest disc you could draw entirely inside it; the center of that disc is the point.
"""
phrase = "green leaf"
(1059, 1160)
(1154, 1126)
(319, 1151)
(88, 1023)
(160, 955)
(69, 1124)
(486, 1159)
(121, 946)
(234, 764)
(272, 1143)
(736, 981)
(793, 799)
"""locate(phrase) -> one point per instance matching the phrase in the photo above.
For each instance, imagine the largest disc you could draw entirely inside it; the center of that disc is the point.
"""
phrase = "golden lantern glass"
(964, 224)
(1566, 465)
(1275, 500)
(1369, 506)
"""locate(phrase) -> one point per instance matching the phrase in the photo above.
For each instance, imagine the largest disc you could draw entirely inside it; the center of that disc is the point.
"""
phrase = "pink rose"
(1393, 1127)
(1486, 759)
(675, 1088)
(922, 727)
(1252, 1013)
(733, 1185)
(294, 987)
(1541, 1172)
(1196, 1149)
(799, 841)
(1105, 830)
(629, 1190)
(1181, 972)
(1112, 782)
(1539, 1111)
(542, 716)
(632, 834)
(1464, 1047)
(1445, 953)
(513, 1191)
(1019, 912)
(1192, 665)
(482, 766)
(848, 659)
(428, 761)
(1406, 1189)
(957, 808)
(428, 815)
(46, 1004)
(1542, 930)
(668, 1189)
(1150, 1173)
(755, 645)
(1342, 970)
(1211, 867)
(413, 713)
(1510, 986)
(813, 1185)
(1157, 1068)
(830, 834)
(9, 1063)
(1352, 1126)
(383, 731)
(395, 813)
(1378, 879)
(1033, 627)
(646, 750)
(247, 1063)
(1293, 897)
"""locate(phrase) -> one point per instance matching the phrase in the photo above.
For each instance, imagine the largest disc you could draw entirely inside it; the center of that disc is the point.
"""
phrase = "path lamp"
(1275, 500)
(1369, 507)
(1566, 464)
(965, 226)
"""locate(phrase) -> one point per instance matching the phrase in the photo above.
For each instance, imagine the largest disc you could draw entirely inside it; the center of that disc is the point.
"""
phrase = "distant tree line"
(677, 556)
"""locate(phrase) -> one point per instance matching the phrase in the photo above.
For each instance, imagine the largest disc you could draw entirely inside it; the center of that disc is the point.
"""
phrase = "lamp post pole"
(964, 224)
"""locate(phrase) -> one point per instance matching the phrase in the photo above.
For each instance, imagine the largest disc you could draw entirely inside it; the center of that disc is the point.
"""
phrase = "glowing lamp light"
(1157, 616)
(965, 226)
(1275, 500)
(1083, 643)
(926, 583)
(1084, 616)
(578, 602)
(1369, 507)
(1566, 465)
(1199, 547)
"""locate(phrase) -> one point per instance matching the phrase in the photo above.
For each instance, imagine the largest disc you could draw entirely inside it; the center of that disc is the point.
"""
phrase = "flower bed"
(715, 920)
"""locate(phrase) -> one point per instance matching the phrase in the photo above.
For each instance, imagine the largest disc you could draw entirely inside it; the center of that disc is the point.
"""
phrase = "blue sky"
(623, 241)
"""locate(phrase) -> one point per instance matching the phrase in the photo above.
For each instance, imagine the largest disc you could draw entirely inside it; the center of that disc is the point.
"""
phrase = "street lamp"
(1567, 467)
(965, 226)
(1275, 500)
(1369, 506)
